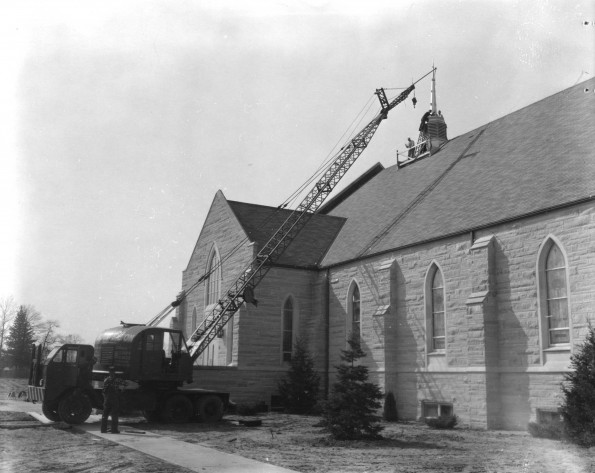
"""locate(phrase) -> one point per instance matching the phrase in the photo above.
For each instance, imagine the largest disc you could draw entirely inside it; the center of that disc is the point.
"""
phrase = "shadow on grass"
(14, 416)
(382, 443)
(222, 426)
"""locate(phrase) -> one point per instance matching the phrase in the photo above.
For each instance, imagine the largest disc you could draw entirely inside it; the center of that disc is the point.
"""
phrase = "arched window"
(435, 311)
(554, 295)
(287, 329)
(229, 341)
(213, 284)
(354, 311)
(194, 320)
(438, 332)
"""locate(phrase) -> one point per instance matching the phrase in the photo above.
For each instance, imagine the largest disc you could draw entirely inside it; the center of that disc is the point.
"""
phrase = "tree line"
(21, 326)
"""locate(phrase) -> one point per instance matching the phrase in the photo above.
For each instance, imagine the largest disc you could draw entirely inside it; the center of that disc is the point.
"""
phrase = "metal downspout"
(327, 307)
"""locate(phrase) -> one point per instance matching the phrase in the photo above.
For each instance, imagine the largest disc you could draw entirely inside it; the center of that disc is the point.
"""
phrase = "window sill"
(437, 353)
(557, 348)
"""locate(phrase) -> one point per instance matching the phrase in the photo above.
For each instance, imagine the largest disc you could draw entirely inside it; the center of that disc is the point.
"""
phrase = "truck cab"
(65, 373)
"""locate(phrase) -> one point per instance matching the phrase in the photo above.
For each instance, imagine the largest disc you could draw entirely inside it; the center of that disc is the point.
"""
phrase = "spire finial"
(434, 106)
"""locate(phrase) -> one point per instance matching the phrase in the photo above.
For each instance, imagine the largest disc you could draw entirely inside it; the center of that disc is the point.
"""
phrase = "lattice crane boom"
(243, 288)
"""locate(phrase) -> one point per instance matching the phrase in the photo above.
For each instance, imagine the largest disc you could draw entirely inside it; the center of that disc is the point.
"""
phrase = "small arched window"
(214, 280)
(437, 320)
(556, 297)
(194, 320)
(355, 311)
(287, 330)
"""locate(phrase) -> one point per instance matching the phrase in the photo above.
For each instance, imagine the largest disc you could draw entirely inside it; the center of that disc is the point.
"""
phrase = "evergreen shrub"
(350, 412)
(578, 408)
(298, 391)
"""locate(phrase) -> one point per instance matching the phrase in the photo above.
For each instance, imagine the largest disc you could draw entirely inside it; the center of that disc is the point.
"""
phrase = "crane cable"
(332, 153)
(327, 161)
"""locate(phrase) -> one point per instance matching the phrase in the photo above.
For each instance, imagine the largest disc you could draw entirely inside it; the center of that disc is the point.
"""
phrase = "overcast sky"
(121, 120)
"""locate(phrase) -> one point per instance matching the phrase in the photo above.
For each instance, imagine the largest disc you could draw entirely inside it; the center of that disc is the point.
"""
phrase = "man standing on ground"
(111, 400)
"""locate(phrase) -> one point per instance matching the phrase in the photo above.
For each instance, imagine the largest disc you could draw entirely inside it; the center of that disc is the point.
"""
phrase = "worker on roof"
(411, 147)
(423, 126)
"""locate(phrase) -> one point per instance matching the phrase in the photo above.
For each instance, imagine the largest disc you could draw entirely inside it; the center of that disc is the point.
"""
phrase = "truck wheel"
(177, 409)
(210, 408)
(51, 412)
(75, 408)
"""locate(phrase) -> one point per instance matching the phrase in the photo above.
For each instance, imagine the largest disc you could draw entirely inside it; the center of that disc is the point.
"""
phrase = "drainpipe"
(327, 331)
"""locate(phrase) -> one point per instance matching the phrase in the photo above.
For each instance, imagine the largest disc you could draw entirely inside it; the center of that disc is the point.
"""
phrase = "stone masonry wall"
(256, 361)
(494, 370)
(259, 344)
(499, 368)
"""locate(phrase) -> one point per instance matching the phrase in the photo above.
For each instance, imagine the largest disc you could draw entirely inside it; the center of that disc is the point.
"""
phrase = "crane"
(69, 381)
(242, 290)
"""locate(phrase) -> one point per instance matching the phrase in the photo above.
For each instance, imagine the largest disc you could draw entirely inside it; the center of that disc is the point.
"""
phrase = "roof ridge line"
(421, 196)
(501, 117)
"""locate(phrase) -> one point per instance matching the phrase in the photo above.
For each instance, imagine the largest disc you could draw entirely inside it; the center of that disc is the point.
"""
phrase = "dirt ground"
(294, 442)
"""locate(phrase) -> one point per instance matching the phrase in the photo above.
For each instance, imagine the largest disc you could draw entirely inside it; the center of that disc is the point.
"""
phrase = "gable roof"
(537, 158)
(306, 251)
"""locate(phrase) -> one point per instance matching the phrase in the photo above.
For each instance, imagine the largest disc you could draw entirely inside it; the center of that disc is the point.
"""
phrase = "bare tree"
(47, 335)
(70, 338)
(7, 311)
(35, 320)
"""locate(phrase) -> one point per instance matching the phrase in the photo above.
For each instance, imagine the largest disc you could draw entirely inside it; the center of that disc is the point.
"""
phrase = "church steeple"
(433, 99)
(435, 129)
(432, 129)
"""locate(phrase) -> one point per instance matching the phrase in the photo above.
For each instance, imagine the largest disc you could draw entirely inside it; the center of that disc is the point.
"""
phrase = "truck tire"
(51, 412)
(210, 408)
(177, 409)
(75, 408)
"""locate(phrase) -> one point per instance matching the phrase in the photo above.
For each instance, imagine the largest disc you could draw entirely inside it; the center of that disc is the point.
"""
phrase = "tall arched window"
(438, 332)
(287, 329)
(194, 320)
(214, 280)
(554, 295)
(435, 311)
(354, 310)
(229, 342)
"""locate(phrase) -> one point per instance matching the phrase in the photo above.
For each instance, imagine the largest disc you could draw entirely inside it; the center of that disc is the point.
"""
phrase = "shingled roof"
(306, 251)
(532, 160)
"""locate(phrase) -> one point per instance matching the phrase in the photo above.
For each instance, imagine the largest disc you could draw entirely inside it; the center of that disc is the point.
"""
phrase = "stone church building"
(469, 273)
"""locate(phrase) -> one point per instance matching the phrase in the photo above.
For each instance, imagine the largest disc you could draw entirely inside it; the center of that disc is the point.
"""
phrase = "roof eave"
(462, 232)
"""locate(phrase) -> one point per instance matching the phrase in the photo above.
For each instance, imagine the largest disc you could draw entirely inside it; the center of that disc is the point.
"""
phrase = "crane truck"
(156, 362)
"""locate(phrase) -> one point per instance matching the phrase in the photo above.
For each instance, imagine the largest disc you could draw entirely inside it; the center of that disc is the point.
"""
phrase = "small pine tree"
(19, 340)
(350, 412)
(299, 390)
(578, 408)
